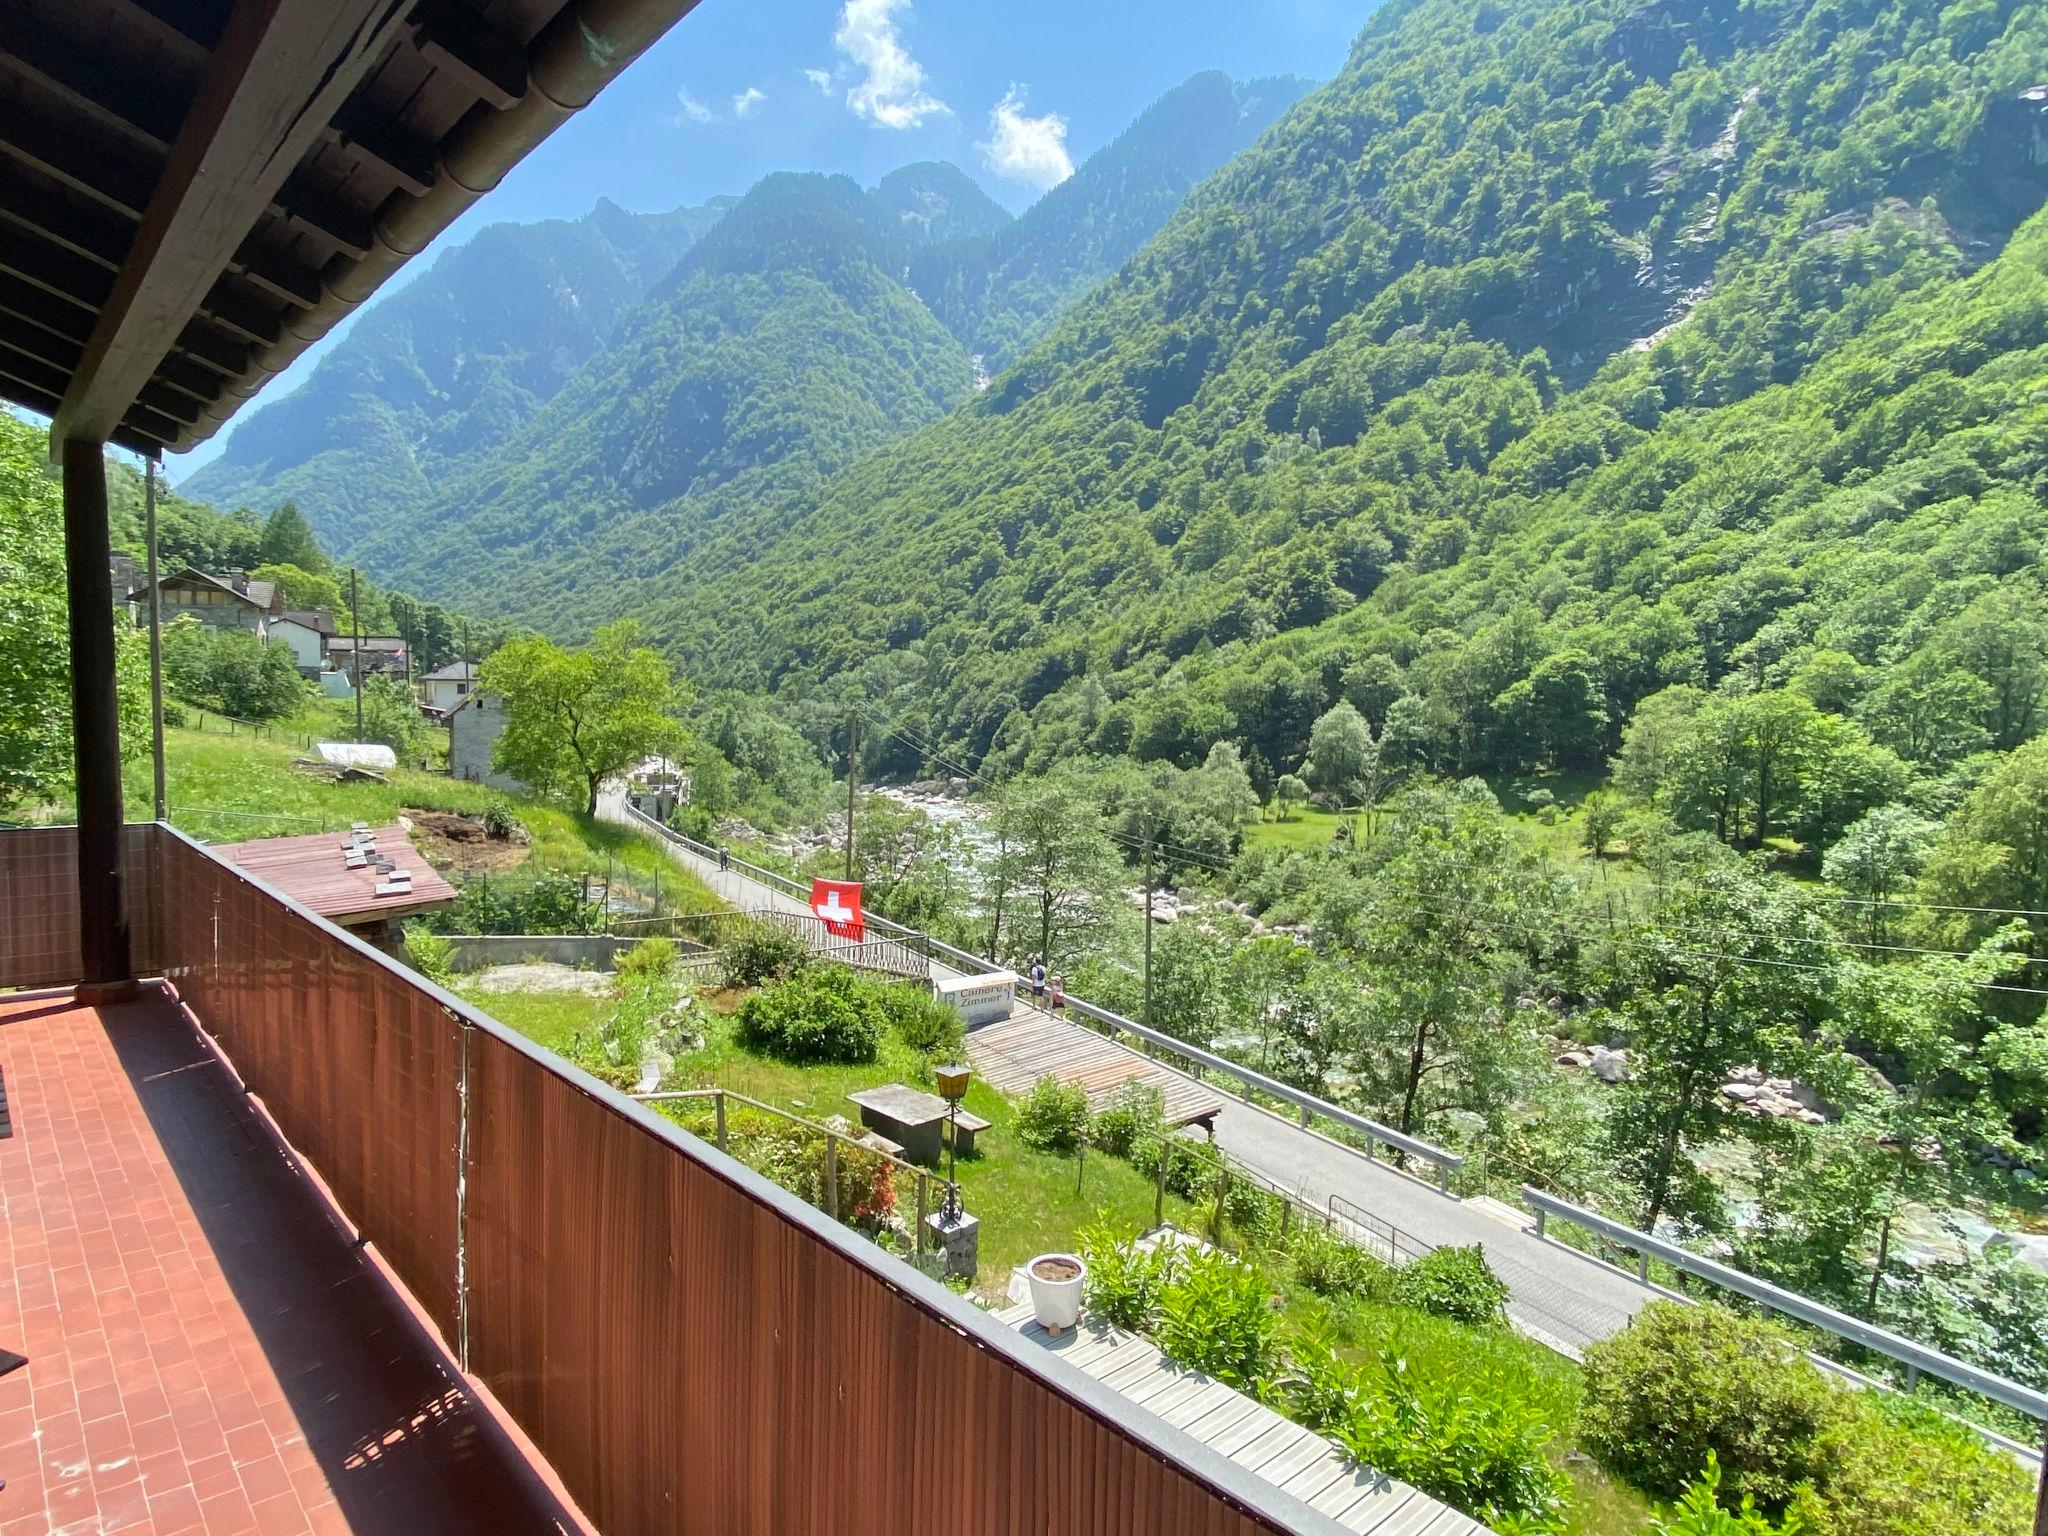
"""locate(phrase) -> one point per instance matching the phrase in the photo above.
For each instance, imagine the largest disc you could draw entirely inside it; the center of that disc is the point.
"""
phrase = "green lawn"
(229, 788)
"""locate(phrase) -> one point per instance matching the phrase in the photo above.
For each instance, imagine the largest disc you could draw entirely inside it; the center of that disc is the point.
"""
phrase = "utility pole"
(156, 640)
(1148, 916)
(852, 784)
(355, 614)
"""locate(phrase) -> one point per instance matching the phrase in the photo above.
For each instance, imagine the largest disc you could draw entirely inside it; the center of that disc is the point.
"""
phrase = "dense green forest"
(443, 372)
(1540, 363)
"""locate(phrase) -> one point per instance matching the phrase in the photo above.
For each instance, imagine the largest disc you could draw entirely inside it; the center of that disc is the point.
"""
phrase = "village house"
(307, 631)
(385, 654)
(232, 601)
(442, 689)
(474, 726)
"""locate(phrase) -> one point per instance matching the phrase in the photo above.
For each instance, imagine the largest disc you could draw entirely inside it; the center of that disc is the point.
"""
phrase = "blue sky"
(1014, 94)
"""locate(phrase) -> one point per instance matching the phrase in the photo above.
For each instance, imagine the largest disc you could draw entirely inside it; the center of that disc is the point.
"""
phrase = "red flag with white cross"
(838, 903)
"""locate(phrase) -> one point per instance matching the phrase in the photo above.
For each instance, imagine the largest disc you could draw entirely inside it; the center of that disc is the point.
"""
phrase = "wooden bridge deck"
(1291, 1458)
(1030, 1044)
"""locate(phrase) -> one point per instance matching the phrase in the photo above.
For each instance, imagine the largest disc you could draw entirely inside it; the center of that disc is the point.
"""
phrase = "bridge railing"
(1308, 1106)
(1918, 1358)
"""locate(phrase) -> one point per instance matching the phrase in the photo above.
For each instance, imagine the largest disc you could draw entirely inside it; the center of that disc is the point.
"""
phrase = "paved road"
(1559, 1296)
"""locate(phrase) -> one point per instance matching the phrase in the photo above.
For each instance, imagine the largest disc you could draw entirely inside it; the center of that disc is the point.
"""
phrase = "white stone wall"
(473, 732)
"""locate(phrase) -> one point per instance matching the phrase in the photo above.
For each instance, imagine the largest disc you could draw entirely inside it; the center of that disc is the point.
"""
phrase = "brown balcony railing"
(692, 1348)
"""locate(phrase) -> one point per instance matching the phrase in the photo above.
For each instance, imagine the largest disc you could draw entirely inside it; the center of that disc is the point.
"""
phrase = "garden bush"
(823, 1013)
(1216, 1315)
(1894, 1467)
(1471, 1441)
(499, 822)
(1686, 1382)
(1333, 1267)
(1456, 1283)
(1053, 1116)
(1699, 1513)
(1134, 1114)
(925, 1024)
(429, 954)
(761, 952)
(1124, 1280)
(795, 1157)
(648, 958)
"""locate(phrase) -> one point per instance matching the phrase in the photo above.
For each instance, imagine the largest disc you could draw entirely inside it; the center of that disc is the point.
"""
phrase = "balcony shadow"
(403, 1444)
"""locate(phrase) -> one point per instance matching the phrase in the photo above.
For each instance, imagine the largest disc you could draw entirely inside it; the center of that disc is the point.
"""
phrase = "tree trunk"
(1884, 1248)
(591, 808)
(1416, 1053)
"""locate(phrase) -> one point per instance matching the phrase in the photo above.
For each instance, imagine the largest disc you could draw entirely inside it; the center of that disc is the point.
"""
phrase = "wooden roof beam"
(145, 107)
(281, 70)
(452, 36)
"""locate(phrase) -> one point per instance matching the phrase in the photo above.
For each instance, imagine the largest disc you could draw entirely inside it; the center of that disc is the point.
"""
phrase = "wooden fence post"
(922, 1207)
(832, 1175)
(1159, 1195)
(720, 1102)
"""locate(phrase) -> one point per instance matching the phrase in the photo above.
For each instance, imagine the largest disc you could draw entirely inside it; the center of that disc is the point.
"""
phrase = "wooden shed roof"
(192, 192)
(311, 871)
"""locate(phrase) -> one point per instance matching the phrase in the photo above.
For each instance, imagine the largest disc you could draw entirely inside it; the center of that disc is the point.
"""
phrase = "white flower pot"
(1056, 1298)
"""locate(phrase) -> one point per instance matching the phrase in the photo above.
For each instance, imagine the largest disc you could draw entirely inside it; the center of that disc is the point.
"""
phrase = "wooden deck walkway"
(1030, 1044)
(1291, 1458)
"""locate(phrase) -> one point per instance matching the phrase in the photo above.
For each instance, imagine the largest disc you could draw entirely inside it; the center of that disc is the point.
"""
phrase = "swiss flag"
(838, 903)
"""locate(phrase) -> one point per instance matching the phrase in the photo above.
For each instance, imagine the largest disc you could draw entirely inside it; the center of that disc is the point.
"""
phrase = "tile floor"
(207, 1351)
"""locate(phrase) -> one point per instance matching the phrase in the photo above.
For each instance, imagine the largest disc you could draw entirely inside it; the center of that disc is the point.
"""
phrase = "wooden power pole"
(852, 784)
(156, 641)
(1148, 917)
(355, 614)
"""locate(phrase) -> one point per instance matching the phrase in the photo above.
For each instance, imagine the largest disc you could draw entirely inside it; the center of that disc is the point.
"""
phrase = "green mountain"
(1556, 352)
(443, 372)
(793, 341)
(781, 349)
(1000, 293)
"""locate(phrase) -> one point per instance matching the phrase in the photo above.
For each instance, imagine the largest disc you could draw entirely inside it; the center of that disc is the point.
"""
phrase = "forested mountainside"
(780, 350)
(1000, 293)
(1553, 355)
(445, 370)
(795, 340)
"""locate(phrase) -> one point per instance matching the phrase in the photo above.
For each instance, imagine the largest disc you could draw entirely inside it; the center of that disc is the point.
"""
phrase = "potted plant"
(1056, 1281)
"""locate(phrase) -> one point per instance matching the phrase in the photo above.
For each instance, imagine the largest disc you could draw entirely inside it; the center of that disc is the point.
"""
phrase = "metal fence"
(1916, 1357)
(1308, 1107)
(691, 1348)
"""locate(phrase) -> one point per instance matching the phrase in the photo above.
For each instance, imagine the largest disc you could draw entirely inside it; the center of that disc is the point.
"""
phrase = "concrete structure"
(447, 686)
(979, 999)
(473, 731)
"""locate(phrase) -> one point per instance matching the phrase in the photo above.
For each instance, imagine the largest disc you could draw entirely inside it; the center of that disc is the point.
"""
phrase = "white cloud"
(748, 102)
(821, 78)
(891, 90)
(1024, 148)
(690, 110)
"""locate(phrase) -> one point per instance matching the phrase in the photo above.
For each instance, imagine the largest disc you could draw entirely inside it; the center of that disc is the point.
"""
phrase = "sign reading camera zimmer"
(979, 999)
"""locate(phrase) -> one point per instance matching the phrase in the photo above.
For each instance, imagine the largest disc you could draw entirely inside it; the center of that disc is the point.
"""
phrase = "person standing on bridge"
(1057, 1000)
(1038, 980)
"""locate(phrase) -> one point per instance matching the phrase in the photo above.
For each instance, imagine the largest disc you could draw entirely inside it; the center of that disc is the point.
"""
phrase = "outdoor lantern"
(952, 1081)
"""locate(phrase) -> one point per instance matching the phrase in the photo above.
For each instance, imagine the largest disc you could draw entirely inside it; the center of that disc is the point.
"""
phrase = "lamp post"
(952, 1081)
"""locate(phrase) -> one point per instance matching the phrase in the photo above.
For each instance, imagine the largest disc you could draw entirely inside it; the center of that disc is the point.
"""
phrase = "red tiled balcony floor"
(207, 1350)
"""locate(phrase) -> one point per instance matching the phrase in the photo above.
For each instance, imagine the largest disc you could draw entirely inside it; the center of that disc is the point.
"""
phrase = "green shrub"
(761, 952)
(1456, 1283)
(1333, 1267)
(1216, 1315)
(1053, 1116)
(795, 1157)
(648, 958)
(1134, 1114)
(1472, 1441)
(1124, 1280)
(499, 822)
(1895, 1467)
(1252, 1212)
(429, 954)
(1699, 1512)
(925, 1024)
(1686, 1382)
(824, 1013)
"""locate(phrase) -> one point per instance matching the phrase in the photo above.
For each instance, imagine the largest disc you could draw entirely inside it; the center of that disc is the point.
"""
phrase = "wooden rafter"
(280, 72)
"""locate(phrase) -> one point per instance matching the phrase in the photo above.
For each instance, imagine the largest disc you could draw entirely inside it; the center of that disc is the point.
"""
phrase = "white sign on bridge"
(979, 999)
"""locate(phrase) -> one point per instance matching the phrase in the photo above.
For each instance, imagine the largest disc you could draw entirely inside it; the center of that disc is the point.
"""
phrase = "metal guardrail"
(1916, 1357)
(1401, 1246)
(1307, 1104)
